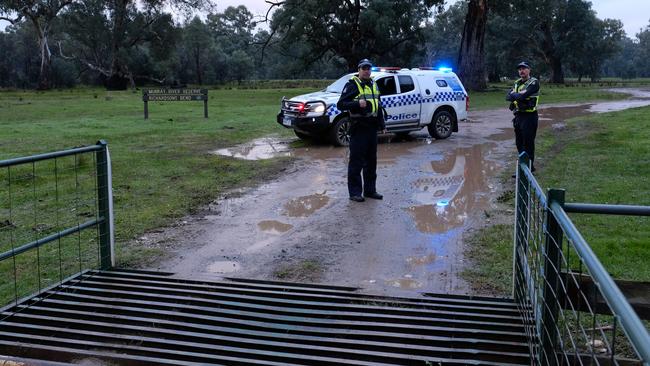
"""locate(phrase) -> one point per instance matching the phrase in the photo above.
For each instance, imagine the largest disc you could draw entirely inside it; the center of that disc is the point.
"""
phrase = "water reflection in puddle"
(420, 261)
(259, 149)
(274, 227)
(223, 267)
(306, 205)
(404, 283)
(445, 192)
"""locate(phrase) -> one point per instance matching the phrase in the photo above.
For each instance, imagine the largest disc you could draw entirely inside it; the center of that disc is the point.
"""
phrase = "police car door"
(403, 108)
(387, 89)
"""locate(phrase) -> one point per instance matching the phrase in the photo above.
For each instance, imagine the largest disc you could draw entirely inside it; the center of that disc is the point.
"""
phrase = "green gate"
(574, 311)
(55, 219)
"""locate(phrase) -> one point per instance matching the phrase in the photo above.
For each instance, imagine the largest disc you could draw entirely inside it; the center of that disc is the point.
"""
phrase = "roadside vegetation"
(602, 158)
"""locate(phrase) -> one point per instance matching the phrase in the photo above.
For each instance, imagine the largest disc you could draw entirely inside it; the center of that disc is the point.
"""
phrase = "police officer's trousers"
(525, 131)
(363, 158)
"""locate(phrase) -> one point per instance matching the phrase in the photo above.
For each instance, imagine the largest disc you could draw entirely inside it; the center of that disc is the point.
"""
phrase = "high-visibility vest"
(368, 92)
(532, 101)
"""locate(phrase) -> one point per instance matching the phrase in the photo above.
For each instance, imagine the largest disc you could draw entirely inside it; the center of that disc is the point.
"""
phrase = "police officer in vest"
(523, 98)
(360, 98)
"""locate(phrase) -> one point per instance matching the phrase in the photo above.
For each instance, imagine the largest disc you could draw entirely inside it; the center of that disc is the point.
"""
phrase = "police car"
(413, 99)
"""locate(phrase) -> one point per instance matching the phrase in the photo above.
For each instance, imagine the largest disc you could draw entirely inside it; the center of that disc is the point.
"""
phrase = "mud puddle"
(258, 149)
(412, 241)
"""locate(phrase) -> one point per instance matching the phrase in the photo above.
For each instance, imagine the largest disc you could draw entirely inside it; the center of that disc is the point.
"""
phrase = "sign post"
(173, 95)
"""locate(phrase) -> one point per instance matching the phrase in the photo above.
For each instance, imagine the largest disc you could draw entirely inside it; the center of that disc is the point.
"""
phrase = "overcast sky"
(635, 14)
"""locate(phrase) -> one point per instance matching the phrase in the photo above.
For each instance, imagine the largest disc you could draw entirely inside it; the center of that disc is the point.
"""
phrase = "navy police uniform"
(524, 98)
(364, 124)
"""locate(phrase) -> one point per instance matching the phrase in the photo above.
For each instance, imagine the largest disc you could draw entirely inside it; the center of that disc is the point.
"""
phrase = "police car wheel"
(441, 126)
(340, 132)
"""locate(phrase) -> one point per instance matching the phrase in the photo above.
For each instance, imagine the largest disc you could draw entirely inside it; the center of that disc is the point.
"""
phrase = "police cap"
(364, 62)
(523, 64)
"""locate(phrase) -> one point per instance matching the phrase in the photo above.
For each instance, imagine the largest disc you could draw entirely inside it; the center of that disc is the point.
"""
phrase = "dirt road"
(303, 227)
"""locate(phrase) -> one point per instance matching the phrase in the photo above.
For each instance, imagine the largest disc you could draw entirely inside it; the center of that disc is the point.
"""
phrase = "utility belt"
(364, 122)
(522, 118)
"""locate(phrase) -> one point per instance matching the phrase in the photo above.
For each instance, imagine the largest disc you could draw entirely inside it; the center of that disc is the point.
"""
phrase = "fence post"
(204, 92)
(551, 273)
(145, 99)
(522, 200)
(105, 207)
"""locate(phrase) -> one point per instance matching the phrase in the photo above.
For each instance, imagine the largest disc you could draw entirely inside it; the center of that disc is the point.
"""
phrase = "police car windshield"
(337, 86)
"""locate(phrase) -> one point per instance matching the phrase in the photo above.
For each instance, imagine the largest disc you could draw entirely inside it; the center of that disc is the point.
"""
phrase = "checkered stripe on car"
(400, 100)
(445, 97)
(332, 110)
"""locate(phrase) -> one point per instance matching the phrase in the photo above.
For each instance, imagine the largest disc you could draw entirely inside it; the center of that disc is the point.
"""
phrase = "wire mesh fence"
(51, 219)
(573, 310)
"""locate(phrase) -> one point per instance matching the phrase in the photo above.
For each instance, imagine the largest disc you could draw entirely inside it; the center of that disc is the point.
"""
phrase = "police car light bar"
(385, 68)
(442, 69)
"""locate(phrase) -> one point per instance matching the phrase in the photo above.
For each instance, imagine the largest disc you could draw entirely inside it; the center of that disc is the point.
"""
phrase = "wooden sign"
(174, 95)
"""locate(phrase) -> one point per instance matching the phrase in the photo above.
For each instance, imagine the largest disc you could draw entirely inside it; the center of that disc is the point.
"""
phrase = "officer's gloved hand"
(512, 106)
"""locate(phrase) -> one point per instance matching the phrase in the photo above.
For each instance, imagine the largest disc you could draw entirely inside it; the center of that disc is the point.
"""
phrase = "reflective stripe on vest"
(534, 97)
(370, 94)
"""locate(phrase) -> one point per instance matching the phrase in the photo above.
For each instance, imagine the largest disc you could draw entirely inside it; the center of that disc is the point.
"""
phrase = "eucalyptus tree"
(40, 14)
(112, 36)
(384, 30)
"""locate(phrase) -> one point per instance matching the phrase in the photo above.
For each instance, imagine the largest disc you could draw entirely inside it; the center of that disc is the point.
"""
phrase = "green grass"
(602, 158)
(606, 159)
(162, 166)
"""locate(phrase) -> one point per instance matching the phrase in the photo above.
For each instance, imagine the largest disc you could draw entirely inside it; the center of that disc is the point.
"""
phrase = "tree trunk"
(117, 79)
(471, 58)
(45, 72)
(197, 62)
(557, 72)
(551, 55)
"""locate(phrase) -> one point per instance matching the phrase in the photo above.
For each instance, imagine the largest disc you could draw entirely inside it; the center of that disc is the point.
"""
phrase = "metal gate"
(575, 312)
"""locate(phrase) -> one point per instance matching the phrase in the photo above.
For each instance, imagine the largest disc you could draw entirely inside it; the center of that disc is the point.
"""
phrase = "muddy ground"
(302, 227)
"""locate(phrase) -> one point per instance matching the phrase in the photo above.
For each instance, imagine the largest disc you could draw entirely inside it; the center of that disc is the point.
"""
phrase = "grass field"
(162, 166)
(602, 158)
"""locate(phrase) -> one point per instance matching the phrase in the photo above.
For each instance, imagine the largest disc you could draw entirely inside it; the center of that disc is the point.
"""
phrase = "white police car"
(412, 98)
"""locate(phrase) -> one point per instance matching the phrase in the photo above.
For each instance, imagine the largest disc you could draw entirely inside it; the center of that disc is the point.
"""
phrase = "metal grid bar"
(142, 318)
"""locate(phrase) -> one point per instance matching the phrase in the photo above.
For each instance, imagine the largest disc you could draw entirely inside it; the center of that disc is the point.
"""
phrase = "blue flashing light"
(442, 203)
(445, 69)
(374, 68)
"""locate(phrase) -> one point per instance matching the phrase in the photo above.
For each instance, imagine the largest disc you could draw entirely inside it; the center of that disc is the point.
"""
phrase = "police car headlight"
(315, 109)
(319, 108)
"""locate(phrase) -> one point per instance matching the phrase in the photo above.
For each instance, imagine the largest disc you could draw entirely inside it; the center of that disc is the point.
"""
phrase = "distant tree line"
(125, 43)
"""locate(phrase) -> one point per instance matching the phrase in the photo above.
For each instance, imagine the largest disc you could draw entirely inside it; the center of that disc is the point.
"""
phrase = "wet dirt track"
(434, 192)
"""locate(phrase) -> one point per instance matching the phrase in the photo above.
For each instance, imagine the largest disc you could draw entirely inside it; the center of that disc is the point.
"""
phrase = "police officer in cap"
(524, 98)
(360, 98)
